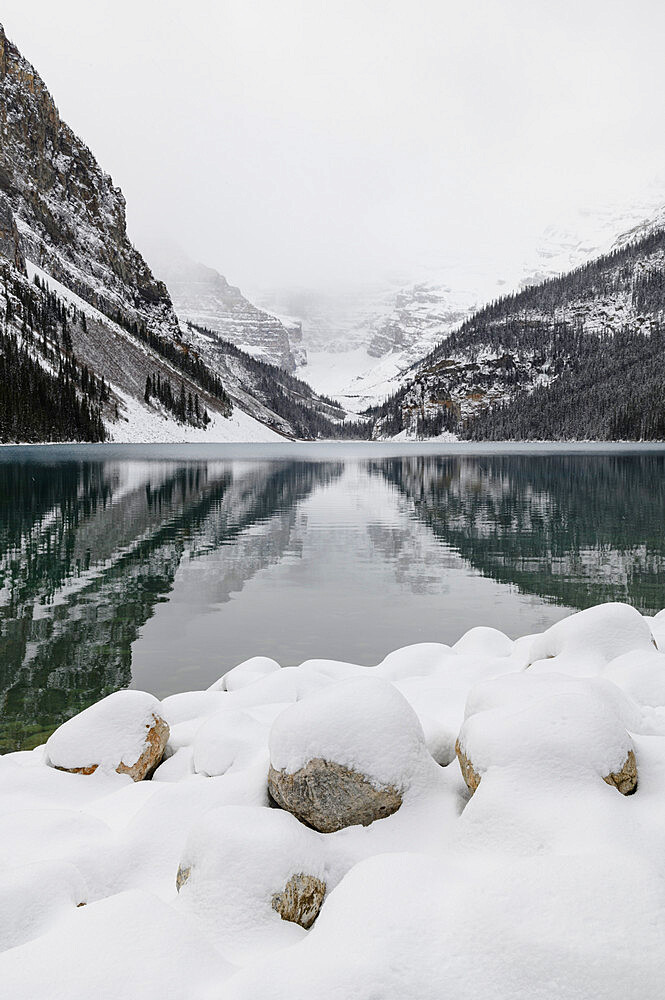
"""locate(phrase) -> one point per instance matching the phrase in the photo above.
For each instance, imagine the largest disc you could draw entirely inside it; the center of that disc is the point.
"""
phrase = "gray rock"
(300, 900)
(328, 796)
(9, 238)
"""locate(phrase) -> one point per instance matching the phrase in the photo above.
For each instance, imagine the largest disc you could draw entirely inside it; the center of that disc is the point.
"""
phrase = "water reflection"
(570, 529)
(89, 549)
(165, 573)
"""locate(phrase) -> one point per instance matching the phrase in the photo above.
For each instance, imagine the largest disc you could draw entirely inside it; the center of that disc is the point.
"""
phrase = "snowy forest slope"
(577, 356)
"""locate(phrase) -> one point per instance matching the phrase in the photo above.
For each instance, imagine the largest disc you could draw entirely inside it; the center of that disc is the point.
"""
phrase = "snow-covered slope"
(204, 297)
(579, 355)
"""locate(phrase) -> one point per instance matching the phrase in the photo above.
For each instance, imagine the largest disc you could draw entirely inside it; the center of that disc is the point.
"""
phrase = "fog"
(303, 142)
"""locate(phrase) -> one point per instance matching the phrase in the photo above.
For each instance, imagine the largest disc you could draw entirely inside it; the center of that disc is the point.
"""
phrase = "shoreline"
(283, 831)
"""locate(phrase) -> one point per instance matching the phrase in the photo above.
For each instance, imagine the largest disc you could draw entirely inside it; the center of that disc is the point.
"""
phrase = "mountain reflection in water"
(164, 573)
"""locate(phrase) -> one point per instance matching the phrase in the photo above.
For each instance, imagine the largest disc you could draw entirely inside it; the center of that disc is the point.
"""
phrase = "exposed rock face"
(421, 316)
(70, 217)
(625, 780)
(301, 900)
(156, 740)
(329, 796)
(204, 297)
(9, 237)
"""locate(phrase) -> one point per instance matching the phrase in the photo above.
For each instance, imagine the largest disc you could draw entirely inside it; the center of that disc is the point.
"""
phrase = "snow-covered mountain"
(90, 346)
(205, 298)
(577, 356)
(361, 343)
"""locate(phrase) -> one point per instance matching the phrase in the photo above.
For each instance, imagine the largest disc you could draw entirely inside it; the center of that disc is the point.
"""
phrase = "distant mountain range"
(204, 297)
(362, 343)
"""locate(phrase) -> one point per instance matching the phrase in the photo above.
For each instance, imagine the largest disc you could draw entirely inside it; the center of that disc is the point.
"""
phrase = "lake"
(161, 567)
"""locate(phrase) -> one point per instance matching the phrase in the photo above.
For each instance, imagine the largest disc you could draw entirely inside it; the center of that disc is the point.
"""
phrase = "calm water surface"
(162, 567)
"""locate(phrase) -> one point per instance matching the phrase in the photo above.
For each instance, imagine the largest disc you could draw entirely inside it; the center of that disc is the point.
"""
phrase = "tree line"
(185, 406)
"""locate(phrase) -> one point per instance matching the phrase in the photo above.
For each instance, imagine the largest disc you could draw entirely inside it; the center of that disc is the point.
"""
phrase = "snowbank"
(539, 879)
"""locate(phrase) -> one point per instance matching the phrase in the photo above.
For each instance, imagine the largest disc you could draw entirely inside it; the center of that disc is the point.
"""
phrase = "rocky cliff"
(69, 216)
(205, 298)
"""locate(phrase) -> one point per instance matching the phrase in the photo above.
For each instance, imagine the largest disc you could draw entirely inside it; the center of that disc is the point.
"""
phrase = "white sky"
(307, 141)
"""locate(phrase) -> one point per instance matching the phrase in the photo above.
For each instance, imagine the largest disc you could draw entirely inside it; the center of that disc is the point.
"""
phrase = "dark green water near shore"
(162, 567)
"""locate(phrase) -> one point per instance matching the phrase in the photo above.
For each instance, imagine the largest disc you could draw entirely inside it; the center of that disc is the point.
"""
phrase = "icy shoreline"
(483, 820)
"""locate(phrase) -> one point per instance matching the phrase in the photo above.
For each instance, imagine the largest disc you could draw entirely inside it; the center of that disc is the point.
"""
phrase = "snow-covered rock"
(592, 637)
(544, 882)
(124, 732)
(34, 896)
(346, 755)
(547, 725)
(246, 673)
(237, 872)
(230, 739)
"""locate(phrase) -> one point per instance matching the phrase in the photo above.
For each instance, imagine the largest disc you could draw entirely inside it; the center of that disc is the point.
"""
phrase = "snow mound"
(483, 641)
(246, 673)
(33, 896)
(410, 927)
(235, 861)
(363, 724)
(130, 945)
(230, 739)
(111, 733)
(544, 725)
(594, 636)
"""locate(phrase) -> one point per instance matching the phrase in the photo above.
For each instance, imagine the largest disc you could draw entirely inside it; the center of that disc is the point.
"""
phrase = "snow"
(111, 732)
(548, 724)
(601, 633)
(230, 739)
(546, 882)
(245, 673)
(140, 424)
(239, 857)
(362, 723)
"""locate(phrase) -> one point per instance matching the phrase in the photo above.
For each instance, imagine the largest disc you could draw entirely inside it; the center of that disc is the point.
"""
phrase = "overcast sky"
(310, 141)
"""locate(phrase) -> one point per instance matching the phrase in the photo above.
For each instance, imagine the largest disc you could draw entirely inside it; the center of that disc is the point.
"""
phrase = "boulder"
(124, 732)
(345, 755)
(540, 725)
(328, 796)
(624, 780)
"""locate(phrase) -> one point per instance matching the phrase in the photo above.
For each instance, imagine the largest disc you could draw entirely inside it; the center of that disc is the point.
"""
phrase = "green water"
(163, 567)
